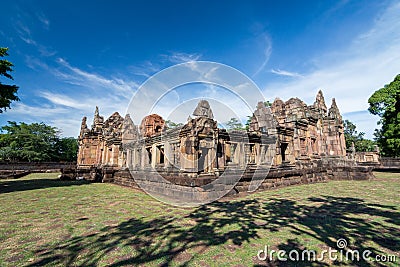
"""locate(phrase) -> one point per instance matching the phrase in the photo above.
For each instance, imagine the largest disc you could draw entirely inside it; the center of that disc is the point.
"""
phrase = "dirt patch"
(200, 249)
(231, 248)
(55, 226)
(258, 262)
(15, 258)
(260, 223)
(112, 204)
(111, 223)
(65, 236)
(124, 211)
(218, 256)
(204, 264)
(23, 212)
(29, 240)
(189, 222)
(90, 233)
(33, 239)
(42, 252)
(183, 257)
(255, 245)
(323, 246)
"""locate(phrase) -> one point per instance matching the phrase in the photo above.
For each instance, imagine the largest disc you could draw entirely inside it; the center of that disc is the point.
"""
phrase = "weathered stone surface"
(177, 187)
(319, 103)
(308, 146)
(262, 119)
(129, 130)
(112, 128)
(97, 121)
(151, 125)
(203, 109)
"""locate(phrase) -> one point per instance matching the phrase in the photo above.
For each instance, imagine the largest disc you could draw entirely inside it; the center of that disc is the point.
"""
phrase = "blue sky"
(70, 56)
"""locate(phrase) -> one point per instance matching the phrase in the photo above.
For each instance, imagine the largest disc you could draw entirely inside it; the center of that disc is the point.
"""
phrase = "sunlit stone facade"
(296, 132)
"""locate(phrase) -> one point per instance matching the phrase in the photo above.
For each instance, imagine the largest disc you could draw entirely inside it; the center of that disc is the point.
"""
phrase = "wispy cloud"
(149, 68)
(39, 112)
(35, 63)
(266, 52)
(179, 57)
(43, 19)
(64, 106)
(84, 78)
(286, 73)
(145, 69)
(58, 116)
(353, 74)
(25, 34)
(64, 100)
(363, 120)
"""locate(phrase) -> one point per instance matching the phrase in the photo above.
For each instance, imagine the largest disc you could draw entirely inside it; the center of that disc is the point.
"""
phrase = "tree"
(385, 103)
(353, 136)
(170, 124)
(8, 93)
(67, 149)
(35, 142)
(234, 124)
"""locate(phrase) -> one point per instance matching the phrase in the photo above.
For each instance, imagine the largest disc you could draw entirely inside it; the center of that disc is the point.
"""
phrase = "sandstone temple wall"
(301, 143)
(176, 186)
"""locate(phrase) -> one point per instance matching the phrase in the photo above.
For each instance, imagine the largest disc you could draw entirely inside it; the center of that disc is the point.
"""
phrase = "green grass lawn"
(44, 221)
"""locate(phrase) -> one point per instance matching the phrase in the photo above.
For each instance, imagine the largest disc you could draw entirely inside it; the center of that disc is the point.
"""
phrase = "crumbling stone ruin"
(296, 142)
(303, 132)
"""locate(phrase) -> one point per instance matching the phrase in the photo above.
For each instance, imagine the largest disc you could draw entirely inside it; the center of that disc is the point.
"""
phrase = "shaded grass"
(44, 221)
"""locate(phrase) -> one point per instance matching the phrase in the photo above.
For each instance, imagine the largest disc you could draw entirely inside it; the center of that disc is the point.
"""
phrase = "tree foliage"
(248, 121)
(385, 103)
(67, 149)
(170, 124)
(234, 124)
(8, 93)
(35, 142)
(353, 136)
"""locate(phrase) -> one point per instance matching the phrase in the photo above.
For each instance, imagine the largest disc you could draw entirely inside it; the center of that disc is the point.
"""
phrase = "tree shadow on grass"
(164, 239)
(8, 186)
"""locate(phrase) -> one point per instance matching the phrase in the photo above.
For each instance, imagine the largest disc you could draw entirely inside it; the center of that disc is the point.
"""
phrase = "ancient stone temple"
(291, 138)
(100, 145)
(303, 132)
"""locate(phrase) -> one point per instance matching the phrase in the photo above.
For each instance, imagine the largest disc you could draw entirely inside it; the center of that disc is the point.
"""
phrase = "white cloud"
(25, 35)
(353, 74)
(63, 106)
(64, 100)
(266, 52)
(40, 112)
(87, 79)
(179, 57)
(43, 19)
(58, 116)
(286, 73)
(36, 64)
(363, 120)
(146, 69)
(22, 29)
(65, 112)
